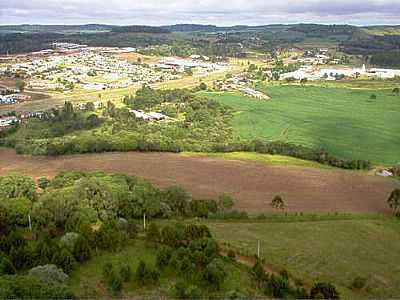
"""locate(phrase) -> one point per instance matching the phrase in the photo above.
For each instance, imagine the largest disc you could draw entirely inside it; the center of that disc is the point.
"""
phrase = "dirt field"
(252, 184)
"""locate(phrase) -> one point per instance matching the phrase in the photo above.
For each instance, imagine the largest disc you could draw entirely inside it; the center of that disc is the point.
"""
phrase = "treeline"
(24, 42)
(364, 43)
(389, 59)
(293, 150)
(140, 29)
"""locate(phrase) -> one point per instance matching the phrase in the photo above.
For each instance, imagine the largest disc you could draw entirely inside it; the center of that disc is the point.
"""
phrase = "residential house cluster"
(13, 99)
(150, 116)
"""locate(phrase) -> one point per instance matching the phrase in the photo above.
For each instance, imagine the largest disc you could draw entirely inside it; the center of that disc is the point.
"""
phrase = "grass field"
(86, 280)
(334, 251)
(345, 122)
(261, 158)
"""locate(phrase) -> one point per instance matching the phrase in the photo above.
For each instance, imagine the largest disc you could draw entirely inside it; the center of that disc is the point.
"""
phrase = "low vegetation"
(84, 229)
(344, 122)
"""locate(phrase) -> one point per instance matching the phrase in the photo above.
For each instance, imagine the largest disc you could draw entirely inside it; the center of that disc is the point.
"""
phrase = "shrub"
(322, 290)
(49, 274)
(107, 269)
(215, 274)
(186, 291)
(278, 203)
(231, 254)
(359, 283)
(284, 274)
(6, 266)
(163, 257)
(69, 240)
(125, 273)
(114, 282)
(153, 233)
(81, 250)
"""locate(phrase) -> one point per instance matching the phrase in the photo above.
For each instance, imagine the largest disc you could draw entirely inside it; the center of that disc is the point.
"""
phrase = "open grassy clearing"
(261, 158)
(86, 281)
(347, 123)
(335, 251)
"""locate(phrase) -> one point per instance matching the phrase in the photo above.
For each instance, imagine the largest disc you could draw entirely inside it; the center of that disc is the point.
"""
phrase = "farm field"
(252, 184)
(345, 122)
(337, 251)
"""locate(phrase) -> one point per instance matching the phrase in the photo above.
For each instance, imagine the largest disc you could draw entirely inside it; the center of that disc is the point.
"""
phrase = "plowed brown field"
(252, 184)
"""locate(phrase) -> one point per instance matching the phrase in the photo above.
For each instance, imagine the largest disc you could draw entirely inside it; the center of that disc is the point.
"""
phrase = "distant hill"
(213, 28)
(140, 29)
(28, 28)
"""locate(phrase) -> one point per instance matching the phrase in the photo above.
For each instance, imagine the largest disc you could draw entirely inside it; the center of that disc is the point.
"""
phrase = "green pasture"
(335, 251)
(345, 122)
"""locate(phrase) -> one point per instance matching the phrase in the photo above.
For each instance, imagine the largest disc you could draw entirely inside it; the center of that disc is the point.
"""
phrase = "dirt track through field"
(252, 184)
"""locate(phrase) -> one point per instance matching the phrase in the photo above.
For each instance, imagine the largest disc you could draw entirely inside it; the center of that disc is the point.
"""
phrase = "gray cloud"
(222, 12)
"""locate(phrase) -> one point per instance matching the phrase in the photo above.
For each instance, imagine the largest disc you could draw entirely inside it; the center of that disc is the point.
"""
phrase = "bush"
(125, 273)
(215, 274)
(186, 291)
(27, 287)
(278, 203)
(163, 257)
(69, 240)
(107, 269)
(146, 276)
(114, 282)
(81, 250)
(324, 290)
(49, 274)
(359, 283)
(231, 255)
(153, 233)
(6, 266)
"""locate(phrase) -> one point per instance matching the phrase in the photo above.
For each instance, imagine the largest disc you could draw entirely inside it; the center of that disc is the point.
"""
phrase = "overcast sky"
(218, 12)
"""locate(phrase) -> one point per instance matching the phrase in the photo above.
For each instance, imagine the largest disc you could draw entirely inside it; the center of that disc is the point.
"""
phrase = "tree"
(203, 86)
(65, 260)
(107, 269)
(115, 282)
(163, 257)
(394, 201)
(90, 106)
(6, 266)
(81, 250)
(396, 91)
(225, 202)
(153, 233)
(20, 84)
(125, 273)
(372, 97)
(43, 183)
(186, 291)
(215, 274)
(17, 186)
(141, 272)
(278, 203)
(324, 290)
